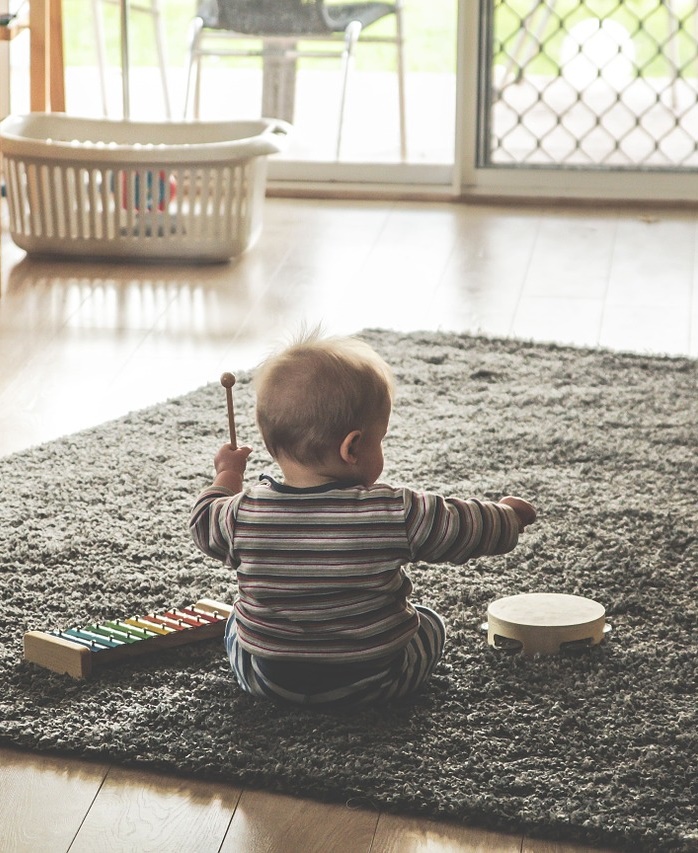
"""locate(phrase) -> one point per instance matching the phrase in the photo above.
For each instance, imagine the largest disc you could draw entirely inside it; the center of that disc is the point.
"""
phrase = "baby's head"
(311, 395)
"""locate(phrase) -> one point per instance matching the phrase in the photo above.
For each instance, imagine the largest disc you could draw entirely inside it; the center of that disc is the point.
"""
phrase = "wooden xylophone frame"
(78, 651)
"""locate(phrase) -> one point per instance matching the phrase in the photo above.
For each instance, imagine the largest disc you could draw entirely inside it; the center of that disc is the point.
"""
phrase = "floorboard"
(44, 799)
(141, 810)
(265, 822)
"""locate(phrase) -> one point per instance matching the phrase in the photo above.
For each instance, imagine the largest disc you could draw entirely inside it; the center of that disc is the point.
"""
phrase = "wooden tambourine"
(544, 623)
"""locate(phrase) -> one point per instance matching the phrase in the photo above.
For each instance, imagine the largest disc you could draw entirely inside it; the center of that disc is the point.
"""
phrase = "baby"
(323, 615)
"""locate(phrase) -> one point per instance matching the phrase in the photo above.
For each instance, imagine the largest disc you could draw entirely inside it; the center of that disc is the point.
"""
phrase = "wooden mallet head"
(227, 381)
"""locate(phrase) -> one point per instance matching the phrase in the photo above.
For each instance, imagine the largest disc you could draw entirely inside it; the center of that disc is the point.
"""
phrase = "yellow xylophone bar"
(77, 651)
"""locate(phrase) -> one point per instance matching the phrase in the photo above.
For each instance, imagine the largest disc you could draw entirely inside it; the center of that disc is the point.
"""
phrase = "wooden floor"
(84, 342)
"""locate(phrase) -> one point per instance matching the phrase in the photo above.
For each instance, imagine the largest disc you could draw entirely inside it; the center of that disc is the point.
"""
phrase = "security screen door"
(588, 93)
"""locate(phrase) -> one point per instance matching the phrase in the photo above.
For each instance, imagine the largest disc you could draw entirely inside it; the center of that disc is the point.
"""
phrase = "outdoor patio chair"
(281, 25)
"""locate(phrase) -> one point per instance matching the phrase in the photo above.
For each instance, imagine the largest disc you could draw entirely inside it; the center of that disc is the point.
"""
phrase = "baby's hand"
(525, 511)
(228, 459)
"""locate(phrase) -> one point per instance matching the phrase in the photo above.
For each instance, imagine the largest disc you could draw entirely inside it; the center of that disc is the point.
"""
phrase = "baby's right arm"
(455, 530)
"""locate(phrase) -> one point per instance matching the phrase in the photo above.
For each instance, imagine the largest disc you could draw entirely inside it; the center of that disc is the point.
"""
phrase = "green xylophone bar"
(78, 651)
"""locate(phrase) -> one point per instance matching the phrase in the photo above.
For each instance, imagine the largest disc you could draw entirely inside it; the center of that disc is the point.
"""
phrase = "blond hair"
(312, 394)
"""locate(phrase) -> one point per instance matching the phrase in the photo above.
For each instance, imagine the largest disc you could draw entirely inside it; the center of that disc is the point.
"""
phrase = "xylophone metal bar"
(78, 651)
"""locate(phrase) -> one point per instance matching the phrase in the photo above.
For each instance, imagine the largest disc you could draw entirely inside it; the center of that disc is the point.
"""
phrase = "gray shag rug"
(598, 747)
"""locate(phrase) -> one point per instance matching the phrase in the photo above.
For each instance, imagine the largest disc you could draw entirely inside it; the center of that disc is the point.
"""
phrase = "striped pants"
(340, 686)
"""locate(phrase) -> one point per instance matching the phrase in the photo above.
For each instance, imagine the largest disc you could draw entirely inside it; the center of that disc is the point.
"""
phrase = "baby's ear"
(348, 449)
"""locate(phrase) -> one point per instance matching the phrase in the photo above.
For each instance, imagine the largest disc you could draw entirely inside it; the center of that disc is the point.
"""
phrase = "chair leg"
(400, 35)
(160, 44)
(351, 36)
(194, 67)
(100, 42)
(98, 23)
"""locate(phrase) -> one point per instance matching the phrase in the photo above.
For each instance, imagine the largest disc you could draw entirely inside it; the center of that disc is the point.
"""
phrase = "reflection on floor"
(83, 342)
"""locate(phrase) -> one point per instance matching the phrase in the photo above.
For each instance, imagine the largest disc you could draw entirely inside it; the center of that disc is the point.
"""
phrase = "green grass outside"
(648, 22)
(430, 36)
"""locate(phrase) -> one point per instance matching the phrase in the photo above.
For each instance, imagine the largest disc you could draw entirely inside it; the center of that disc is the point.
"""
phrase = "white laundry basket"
(82, 187)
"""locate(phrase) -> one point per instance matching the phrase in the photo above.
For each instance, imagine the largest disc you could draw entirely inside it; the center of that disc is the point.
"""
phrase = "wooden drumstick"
(227, 381)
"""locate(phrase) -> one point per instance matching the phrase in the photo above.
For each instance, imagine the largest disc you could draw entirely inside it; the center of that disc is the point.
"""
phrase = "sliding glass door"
(384, 139)
(595, 98)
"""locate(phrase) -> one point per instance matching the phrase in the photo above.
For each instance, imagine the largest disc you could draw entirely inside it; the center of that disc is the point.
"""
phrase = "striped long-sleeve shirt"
(321, 571)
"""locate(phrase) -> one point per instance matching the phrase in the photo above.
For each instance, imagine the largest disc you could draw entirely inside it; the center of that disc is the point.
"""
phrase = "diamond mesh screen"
(597, 83)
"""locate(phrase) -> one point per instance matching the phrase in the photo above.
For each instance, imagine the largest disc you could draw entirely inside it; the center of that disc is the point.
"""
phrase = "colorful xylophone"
(77, 651)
